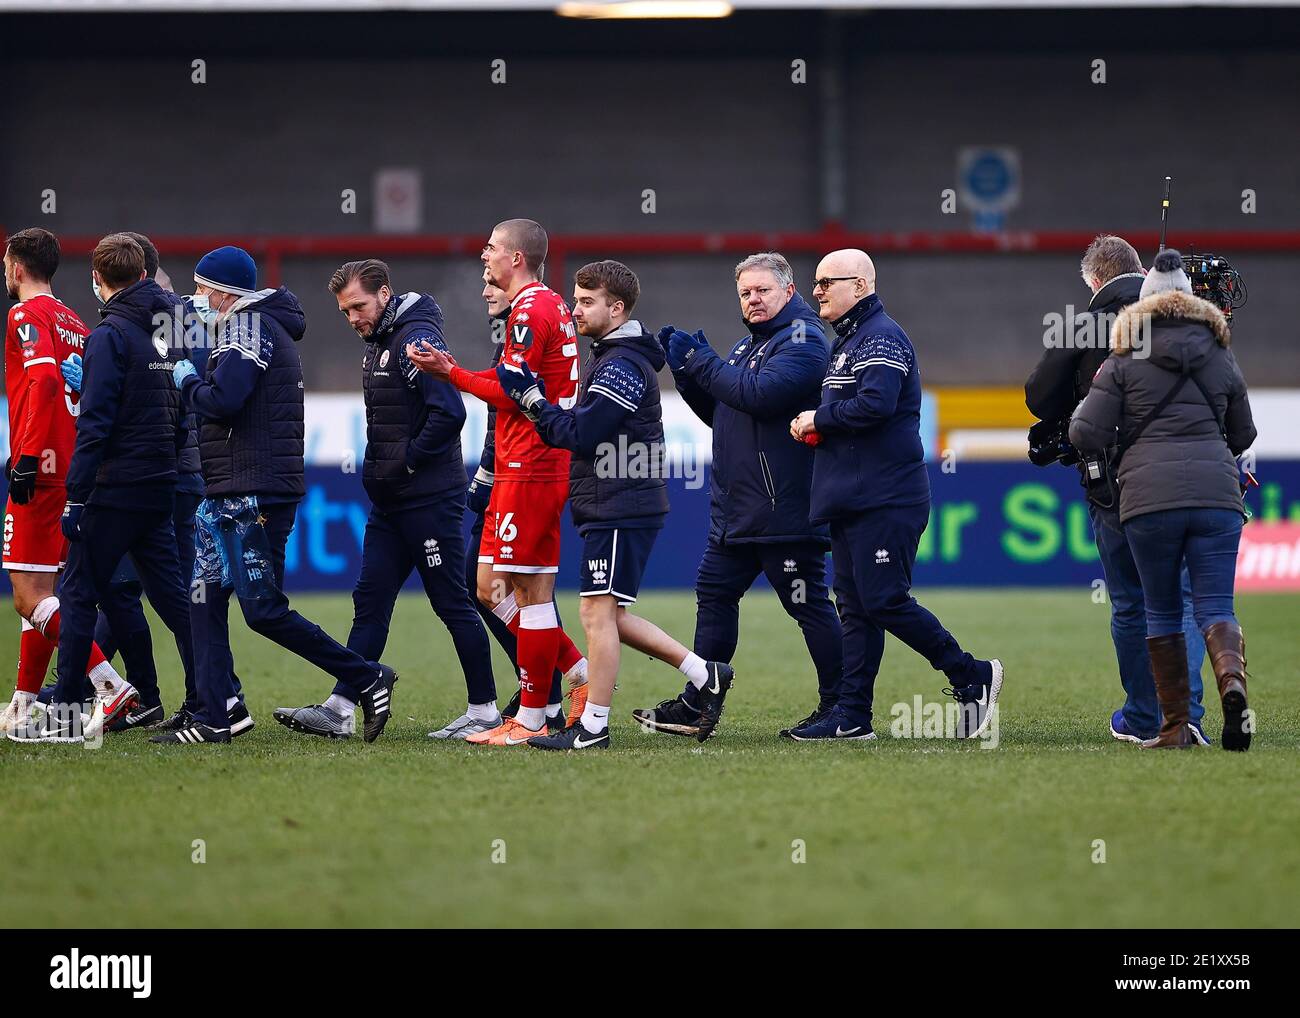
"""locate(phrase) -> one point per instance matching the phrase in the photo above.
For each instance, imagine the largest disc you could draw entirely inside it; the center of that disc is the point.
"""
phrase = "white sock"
(341, 705)
(23, 698)
(553, 710)
(577, 675)
(595, 719)
(482, 711)
(230, 703)
(104, 678)
(532, 718)
(695, 669)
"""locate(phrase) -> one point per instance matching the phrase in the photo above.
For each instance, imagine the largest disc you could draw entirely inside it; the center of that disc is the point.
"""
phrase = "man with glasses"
(759, 483)
(869, 484)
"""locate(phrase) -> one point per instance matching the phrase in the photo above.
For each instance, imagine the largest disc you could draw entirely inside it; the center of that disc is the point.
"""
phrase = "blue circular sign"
(988, 177)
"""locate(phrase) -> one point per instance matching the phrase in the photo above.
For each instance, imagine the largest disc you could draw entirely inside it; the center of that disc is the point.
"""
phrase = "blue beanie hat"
(230, 269)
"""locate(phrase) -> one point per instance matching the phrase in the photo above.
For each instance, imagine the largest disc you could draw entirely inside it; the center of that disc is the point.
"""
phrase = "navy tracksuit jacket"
(869, 483)
(122, 626)
(759, 484)
(124, 471)
(415, 477)
(250, 408)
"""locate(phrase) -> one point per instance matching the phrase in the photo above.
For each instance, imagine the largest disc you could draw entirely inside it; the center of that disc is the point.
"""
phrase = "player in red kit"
(520, 551)
(41, 332)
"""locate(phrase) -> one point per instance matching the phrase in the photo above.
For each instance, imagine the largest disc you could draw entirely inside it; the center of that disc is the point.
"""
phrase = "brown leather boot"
(1227, 649)
(1169, 668)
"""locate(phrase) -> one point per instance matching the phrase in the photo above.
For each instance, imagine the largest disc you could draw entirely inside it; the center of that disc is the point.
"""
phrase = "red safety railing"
(271, 250)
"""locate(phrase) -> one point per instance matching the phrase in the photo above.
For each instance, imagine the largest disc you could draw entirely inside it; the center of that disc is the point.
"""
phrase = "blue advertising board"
(991, 524)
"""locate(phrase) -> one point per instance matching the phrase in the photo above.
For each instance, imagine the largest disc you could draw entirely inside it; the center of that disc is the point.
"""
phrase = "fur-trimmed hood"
(1169, 305)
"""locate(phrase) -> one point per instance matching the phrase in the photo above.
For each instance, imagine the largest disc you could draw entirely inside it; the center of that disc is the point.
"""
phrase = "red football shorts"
(521, 531)
(33, 541)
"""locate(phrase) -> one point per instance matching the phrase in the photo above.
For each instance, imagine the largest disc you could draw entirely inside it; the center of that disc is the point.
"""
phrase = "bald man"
(870, 485)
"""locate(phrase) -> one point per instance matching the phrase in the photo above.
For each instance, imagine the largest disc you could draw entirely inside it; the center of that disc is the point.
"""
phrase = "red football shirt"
(42, 332)
(539, 331)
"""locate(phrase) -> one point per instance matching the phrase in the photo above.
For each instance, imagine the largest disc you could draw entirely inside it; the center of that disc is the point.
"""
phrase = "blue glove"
(480, 492)
(182, 371)
(525, 388)
(71, 370)
(70, 524)
(663, 334)
(682, 346)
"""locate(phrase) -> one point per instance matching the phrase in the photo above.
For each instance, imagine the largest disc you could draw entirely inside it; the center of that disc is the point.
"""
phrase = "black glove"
(22, 480)
(526, 389)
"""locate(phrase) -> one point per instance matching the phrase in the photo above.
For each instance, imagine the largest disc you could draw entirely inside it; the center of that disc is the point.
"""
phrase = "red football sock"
(539, 644)
(568, 656)
(34, 653)
(52, 634)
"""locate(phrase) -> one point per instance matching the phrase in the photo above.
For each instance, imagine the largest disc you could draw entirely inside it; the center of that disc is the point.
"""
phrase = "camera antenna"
(1164, 214)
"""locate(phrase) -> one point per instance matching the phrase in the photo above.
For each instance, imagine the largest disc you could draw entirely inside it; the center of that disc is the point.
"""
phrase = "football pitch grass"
(662, 831)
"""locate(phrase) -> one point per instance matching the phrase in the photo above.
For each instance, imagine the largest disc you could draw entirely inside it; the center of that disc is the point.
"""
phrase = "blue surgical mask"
(206, 313)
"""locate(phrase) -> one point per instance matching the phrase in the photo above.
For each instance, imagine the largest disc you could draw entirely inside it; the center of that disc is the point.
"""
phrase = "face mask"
(206, 313)
(94, 288)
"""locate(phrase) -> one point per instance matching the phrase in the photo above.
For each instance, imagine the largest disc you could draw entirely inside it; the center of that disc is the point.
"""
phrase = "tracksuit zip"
(767, 478)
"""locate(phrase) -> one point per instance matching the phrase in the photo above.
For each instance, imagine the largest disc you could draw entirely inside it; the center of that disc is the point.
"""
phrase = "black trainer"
(573, 737)
(241, 722)
(712, 695)
(192, 734)
(512, 708)
(819, 712)
(181, 719)
(677, 717)
(377, 704)
(556, 724)
(137, 717)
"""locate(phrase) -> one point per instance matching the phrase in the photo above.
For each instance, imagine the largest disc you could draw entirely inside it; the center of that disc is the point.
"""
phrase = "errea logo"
(431, 553)
(74, 971)
(882, 556)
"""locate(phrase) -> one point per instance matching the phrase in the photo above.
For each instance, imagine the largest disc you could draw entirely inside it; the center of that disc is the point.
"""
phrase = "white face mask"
(202, 307)
(94, 288)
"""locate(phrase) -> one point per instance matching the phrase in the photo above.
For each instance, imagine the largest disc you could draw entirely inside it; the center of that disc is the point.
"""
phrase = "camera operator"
(1180, 486)
(1113, 272)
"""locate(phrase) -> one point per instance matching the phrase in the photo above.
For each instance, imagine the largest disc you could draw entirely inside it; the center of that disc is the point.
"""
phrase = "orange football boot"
(577, 704)
(509, 733)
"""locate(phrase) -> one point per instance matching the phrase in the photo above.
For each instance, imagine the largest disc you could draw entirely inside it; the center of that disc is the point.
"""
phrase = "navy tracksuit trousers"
(499, 630)
(797, 572)
(122, 626)
(426, 538)
(873, 554)
(271, 617)
(107, 536)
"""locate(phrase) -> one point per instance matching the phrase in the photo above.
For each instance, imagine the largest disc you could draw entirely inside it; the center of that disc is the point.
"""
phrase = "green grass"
(662, 831)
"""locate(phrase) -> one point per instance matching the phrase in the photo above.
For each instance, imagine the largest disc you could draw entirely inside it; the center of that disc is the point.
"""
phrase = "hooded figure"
(1184, 457)
(1172, 397)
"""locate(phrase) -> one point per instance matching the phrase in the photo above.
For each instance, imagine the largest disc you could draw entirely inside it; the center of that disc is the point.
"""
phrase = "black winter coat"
(1063, 375)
